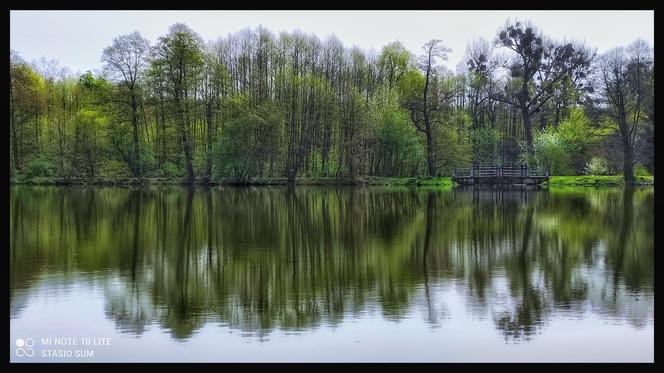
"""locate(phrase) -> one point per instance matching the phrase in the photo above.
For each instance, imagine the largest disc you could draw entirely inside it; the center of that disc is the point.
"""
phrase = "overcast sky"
(76, 38)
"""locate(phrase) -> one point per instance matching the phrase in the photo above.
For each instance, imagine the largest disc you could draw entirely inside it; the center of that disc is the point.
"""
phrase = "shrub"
(39, 166)
(550, 153)
(236, 151)
(598, 166)
(451, 149)
(564, 149)
(171, 170)
(576, 135)
(112, 168)
(641, 171)
(146, 159)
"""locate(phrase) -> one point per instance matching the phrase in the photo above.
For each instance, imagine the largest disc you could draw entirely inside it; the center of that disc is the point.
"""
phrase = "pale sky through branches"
(76, 38)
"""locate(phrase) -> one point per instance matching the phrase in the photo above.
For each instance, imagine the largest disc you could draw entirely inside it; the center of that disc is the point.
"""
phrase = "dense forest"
(255, 105)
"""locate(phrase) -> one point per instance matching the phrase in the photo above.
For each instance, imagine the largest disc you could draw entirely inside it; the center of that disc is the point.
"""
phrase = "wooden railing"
(497, 171)
(538, 172)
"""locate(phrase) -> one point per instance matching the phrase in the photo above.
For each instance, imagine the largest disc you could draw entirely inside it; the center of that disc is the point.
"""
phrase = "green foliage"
(199, 161)
(411, 84)
(485, 145)
(576, 135)
(613, 180)
(250, 137)
(297, 107)
(394, 131)
(14, 175)
(641, 171)
(40, 166)
(393, 62)
(400, 149)
(112, 168)
(171, 170)
(550, 153)
(435, 181)
(89, 81)
(88, 126)
(563, 150)
(598, 166)
(146, 159)
(452, 149)
(236, 150)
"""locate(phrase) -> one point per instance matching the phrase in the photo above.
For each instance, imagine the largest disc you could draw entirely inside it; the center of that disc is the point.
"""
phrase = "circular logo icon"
(24, 347)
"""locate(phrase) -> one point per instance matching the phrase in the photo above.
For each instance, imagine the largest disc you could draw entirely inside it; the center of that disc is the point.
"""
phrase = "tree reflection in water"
(260, 259)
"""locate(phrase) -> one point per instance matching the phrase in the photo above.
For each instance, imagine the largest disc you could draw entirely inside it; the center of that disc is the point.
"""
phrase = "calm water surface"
(331, 274)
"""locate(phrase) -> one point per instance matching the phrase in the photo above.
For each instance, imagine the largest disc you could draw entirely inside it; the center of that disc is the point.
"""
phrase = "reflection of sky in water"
(457, 334)
(336, 275)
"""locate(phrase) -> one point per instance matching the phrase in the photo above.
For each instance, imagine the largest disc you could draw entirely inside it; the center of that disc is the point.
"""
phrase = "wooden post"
(474, 172)
(500, 174)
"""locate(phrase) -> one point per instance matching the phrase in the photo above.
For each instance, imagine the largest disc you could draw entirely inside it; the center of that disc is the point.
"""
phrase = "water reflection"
(260, 259)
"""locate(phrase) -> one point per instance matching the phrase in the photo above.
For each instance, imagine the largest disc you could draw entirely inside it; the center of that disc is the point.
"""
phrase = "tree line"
(258, 105)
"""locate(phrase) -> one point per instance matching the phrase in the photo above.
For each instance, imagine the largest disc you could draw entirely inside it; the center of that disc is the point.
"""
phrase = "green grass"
(614, 180)
(360, 181)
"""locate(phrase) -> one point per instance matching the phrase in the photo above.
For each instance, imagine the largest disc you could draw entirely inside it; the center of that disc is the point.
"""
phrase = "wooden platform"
(498, 175)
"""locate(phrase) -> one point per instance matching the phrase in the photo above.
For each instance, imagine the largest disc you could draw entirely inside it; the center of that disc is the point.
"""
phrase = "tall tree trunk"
(628, 156)
(185, 141)
(525, 114)
(135, 167)
(527, 129)
(208, 165)
(291, 164)
(430, 161)
(427, 123)
(162, 154)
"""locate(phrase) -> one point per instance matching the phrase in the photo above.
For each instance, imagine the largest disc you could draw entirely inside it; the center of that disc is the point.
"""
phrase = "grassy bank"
(616, 180)
(360, 181)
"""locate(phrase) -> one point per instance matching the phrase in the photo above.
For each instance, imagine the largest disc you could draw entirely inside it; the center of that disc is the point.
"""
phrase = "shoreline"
(598, 181)
(580, 181)
(361, 181)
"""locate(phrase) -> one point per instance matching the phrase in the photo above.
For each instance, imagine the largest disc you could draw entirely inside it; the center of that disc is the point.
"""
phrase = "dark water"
(331, 274)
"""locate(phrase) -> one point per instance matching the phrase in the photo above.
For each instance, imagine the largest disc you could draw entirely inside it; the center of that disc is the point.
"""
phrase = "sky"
(76, 39)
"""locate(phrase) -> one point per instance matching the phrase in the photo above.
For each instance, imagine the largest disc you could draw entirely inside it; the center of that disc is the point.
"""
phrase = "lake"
(169, 274)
